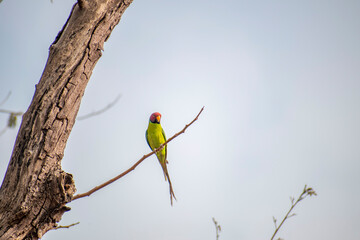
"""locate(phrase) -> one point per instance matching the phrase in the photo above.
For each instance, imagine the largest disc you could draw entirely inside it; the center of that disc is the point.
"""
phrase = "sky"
(281, 88)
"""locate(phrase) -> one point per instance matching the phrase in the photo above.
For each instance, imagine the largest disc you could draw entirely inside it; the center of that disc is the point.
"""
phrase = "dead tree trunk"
(35, 189)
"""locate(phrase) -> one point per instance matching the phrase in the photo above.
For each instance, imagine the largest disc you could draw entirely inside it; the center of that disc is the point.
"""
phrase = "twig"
(11, 120)
(11, 112)
(67, 226)
(306, 192)
(88, 193)
(3, 131)
(5, 99)
(218, 228)
(110, 105)
(275, 220)
(13, 115)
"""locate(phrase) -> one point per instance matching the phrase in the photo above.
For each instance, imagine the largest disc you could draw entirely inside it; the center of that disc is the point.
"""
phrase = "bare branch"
(11, 120)
(5, 99)
(67, 226)
(218, 228)
(11, 112)
(3, 130)
(107, 107)
(275, 220)
(110, 105)
(88, 193)
(306, 192)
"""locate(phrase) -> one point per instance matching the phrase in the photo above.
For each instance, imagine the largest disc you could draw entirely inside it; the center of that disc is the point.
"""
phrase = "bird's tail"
(167, 178)
(164, 167)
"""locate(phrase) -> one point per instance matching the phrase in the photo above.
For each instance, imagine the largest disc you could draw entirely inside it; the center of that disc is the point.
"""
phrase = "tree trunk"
(35, 189)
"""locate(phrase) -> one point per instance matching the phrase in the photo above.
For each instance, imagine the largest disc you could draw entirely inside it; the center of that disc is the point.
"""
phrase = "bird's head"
(155, 117)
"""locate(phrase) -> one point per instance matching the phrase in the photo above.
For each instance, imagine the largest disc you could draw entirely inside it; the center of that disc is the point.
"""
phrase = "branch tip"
(98, 112)
(67, 226)
(306, 192)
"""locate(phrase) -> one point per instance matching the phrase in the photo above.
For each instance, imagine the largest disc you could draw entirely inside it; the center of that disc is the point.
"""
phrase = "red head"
(155, 117)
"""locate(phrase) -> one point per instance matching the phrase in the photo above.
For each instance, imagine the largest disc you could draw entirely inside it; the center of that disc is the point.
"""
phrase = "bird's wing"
(147, 139)
(163, 133)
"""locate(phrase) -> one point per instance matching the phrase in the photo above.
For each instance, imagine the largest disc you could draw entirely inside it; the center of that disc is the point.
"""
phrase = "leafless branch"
(275, 220)
(5, 99)
(12, 116)
(11, 112)
(3, 130)
(12, 120)
(218, 228)
(110, 105)
(67, 226)
(306, 192)
(88, 193)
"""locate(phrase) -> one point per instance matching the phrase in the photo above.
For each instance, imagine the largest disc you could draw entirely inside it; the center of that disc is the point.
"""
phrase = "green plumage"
(155, 136)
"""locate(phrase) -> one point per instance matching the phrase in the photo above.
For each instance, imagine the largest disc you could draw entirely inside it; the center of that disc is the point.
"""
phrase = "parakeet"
(155, 136)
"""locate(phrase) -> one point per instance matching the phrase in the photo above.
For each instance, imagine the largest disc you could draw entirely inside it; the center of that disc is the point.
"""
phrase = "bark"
(35, 189)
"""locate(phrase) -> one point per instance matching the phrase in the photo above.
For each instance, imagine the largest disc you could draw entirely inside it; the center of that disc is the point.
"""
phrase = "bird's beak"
(158, 118)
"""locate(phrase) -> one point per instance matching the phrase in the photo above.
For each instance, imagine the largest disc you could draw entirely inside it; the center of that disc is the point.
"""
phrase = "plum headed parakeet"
(155, 136)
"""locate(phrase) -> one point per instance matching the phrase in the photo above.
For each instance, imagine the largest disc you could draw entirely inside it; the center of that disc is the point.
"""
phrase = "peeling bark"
(35, 189)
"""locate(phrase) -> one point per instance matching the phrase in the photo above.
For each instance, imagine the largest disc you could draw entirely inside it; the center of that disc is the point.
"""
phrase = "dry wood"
(35, 189)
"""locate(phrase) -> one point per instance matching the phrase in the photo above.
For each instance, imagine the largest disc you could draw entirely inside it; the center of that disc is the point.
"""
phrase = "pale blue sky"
(281, 88)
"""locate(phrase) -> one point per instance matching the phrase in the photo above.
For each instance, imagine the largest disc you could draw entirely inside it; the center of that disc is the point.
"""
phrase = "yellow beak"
(158, 118)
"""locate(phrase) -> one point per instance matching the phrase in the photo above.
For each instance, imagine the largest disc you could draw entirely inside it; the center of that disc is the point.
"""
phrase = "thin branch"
(13, 115)
(88, 193)
(11, 112)
(3, 131)
(306, 192)
(67, 226)
(11, 120)
(110, 105)
(5, 99)
(275, 220)
(218, 228)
